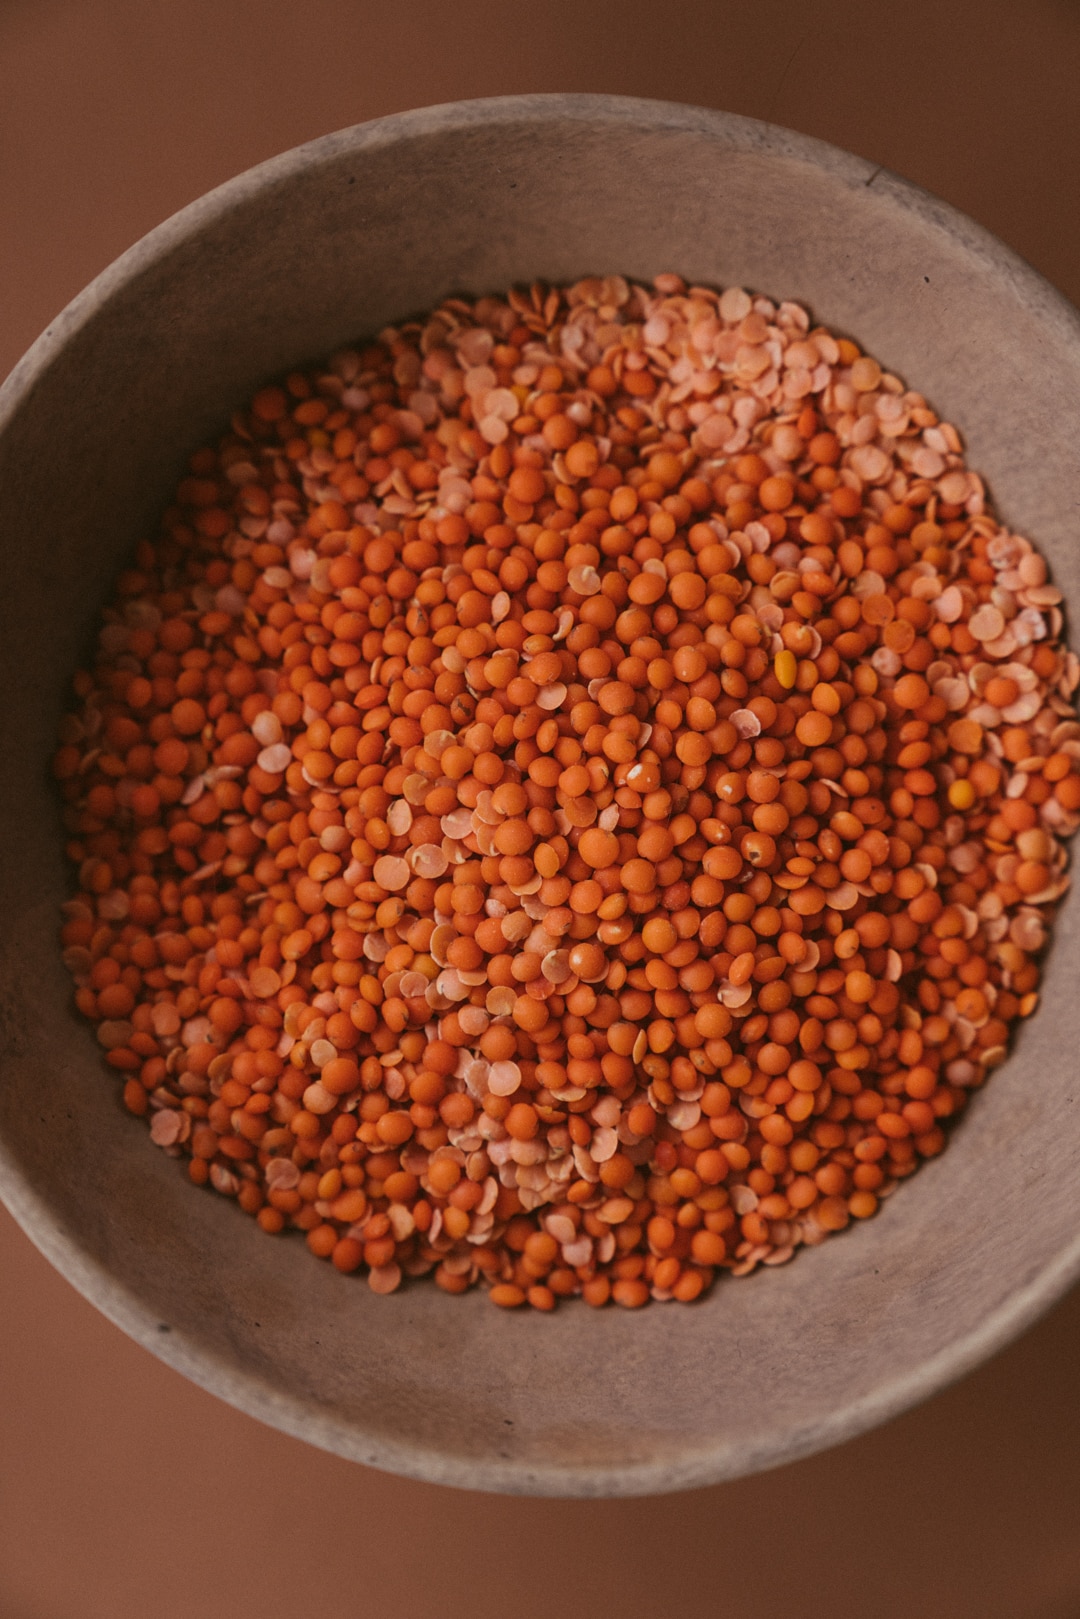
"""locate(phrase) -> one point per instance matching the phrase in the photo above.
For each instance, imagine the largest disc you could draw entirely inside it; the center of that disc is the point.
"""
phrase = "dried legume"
(574, 797)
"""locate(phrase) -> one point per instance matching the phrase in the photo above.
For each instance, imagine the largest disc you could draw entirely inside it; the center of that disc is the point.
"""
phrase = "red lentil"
(573, 798)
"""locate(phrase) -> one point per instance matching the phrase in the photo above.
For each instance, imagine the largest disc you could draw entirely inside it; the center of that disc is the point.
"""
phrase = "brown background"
(124, 1491)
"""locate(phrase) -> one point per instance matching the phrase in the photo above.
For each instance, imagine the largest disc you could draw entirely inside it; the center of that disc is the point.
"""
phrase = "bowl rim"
(60, 1242)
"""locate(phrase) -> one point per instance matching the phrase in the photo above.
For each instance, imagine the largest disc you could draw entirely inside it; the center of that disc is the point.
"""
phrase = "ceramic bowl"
(281, 265)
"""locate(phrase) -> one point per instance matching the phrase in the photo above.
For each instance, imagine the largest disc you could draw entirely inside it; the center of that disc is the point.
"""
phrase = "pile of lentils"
(573, 798)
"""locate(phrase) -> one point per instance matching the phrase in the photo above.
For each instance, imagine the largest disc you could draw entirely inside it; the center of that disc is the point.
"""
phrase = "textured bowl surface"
(307, 252)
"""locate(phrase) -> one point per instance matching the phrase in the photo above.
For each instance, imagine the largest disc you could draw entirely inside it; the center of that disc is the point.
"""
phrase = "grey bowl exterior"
(319, 247)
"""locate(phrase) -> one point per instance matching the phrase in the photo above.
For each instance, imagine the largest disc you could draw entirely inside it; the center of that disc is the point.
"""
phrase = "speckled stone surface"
(317, 248)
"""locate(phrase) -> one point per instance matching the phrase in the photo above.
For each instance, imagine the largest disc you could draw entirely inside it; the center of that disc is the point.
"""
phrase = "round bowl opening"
(282, 265)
